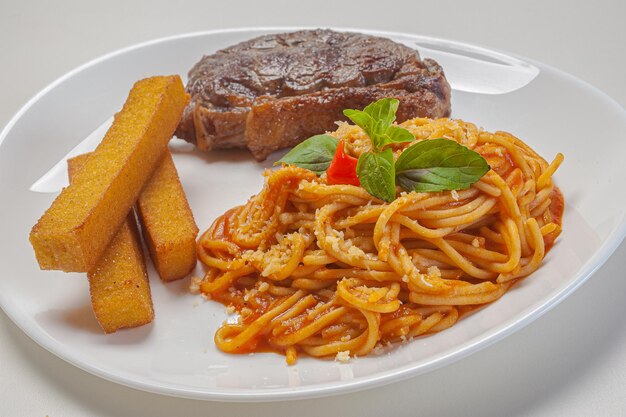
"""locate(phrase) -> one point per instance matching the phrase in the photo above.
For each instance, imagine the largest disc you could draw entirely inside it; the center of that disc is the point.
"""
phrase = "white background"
(571, 362)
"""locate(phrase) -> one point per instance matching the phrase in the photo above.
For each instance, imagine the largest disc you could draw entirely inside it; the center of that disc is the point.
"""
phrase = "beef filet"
(274, 91)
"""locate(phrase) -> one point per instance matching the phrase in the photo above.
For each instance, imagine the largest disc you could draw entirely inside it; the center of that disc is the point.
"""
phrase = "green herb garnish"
(376, 172)
(427, 166)
(439, 165)
(377, 119)
(314, 154)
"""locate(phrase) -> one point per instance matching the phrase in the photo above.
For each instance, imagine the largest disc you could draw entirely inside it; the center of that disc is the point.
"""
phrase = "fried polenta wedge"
(167, 223)
(118, 284)
(74, 232)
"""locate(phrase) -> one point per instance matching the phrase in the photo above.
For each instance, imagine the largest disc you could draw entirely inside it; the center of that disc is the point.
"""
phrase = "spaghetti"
(329, 270)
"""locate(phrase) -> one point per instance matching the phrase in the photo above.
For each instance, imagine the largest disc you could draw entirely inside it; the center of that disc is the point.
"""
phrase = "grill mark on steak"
(276, 90)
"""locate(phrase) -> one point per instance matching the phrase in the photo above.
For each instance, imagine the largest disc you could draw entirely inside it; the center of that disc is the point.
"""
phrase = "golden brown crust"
(118, 284)
(167, 222)
(74, 232)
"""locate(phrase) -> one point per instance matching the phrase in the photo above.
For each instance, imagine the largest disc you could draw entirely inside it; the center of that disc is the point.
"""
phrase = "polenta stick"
(167, 223)
(118, 284)
(74, 232)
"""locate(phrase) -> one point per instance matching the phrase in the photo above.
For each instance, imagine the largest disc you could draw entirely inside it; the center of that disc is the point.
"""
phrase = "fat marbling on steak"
(274, 91)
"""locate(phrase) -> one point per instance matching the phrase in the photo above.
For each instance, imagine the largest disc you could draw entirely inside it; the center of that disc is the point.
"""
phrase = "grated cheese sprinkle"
(343, 356)
(194, 286)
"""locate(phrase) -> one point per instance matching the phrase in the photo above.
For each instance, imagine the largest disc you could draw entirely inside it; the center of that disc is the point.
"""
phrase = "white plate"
(550, 110)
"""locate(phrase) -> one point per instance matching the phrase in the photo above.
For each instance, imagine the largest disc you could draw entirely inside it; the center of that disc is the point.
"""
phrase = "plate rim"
(601, 255)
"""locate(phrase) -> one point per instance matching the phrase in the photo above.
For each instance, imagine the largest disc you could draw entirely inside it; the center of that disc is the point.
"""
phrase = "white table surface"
(570, 362)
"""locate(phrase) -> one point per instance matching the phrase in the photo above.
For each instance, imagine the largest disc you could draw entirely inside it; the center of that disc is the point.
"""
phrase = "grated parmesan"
(355, 251)
(343, 356)
(194, 286)
(333, 241)
(433, 271)
(248, 294)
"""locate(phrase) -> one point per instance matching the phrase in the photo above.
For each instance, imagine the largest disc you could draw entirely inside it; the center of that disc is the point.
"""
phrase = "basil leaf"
(315, 154)
(376, 173)
(377, 119)
(439, 165)
(384, 110)
(372, 128)
(396, 134)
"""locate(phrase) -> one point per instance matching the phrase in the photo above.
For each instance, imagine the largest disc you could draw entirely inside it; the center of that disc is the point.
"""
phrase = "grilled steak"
(274, 91)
